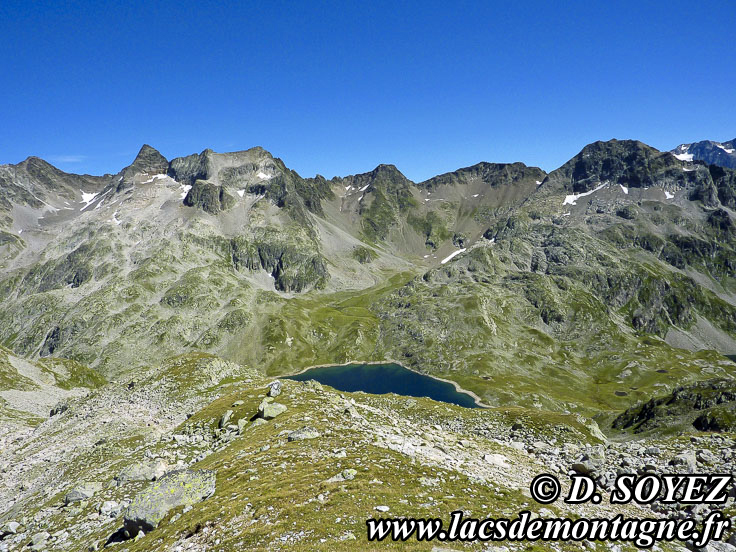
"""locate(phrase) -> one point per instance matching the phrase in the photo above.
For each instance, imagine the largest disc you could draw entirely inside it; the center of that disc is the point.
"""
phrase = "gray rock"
(110, 508)
(586, 467)
(269, 410)
(177, 488)
(38, 538)
(143, 471)
(225, 419)
(496, 459)
(346, 475)
(82, 492)
(686, 460)
(302, 434)
(274, 388)
(59, 408)
(704, 456)
(10, 528)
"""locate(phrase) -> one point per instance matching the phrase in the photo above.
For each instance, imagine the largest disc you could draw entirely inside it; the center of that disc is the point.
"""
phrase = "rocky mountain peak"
(147, 161)
(629, 163)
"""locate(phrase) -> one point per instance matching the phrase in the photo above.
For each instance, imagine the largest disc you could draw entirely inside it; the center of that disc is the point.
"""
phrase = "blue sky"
(338, 87)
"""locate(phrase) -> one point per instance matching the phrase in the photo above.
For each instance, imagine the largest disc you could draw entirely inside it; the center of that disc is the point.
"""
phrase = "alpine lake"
(379, 379)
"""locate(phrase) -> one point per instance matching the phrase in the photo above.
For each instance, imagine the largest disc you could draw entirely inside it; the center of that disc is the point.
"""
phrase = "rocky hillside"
(294, 466)
(722, 154)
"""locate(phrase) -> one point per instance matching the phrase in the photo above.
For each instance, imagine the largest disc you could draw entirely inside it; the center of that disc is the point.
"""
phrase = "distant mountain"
(722, 154)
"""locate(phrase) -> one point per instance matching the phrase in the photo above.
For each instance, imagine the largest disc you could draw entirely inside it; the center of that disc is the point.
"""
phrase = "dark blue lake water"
(386, 378)
(732, 357)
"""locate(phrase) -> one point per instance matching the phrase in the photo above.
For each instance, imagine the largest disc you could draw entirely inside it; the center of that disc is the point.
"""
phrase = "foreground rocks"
(177, 488)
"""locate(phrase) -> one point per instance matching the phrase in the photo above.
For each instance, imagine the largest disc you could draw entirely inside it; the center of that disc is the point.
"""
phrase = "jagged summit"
(148, 161)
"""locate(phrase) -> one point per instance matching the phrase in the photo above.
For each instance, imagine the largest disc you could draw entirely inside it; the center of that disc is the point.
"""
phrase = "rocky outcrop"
(707, 406)
(295, 268)
(209, 197)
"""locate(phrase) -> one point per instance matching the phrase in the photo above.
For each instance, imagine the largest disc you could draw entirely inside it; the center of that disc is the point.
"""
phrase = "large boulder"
(268, 409)
(176, 488)
(82, 492)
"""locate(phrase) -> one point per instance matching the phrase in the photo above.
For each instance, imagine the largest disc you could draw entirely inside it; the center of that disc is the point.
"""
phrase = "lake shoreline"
(478, 402)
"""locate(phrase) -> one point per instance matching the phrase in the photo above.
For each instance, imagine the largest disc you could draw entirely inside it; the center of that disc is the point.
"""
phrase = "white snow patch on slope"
(684, 156)
(87, 199)
(624, 189)
(668, 195)
(476, 195)
(241, 193)
(264, 176)
(363, 189)
(184, 190)
(572, 198)
(724, 148)
(453, 254)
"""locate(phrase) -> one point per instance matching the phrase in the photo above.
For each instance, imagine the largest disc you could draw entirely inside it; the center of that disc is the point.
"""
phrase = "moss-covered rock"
(177, 488)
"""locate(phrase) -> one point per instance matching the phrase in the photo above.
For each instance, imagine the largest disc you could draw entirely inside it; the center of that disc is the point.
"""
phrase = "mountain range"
(137, 306)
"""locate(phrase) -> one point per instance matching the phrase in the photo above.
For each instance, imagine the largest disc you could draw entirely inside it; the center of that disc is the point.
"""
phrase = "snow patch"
(476, 195)
(684, 156)
(363, 189)
(624, 189)
(724, 148)
(20, 231)
(572, 198)
(264, 176)
(115, 219)
(539, 183)
(184, 190)
(565, 214)
(87, 199)
(668, 195)
(452, 255)
(241, 193)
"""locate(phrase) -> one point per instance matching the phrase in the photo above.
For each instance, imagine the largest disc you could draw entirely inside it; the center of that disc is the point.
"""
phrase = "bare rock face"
(209, 197)
(177, 488)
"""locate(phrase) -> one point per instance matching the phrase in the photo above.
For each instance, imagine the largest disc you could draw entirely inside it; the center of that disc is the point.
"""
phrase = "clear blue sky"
(338, 87)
